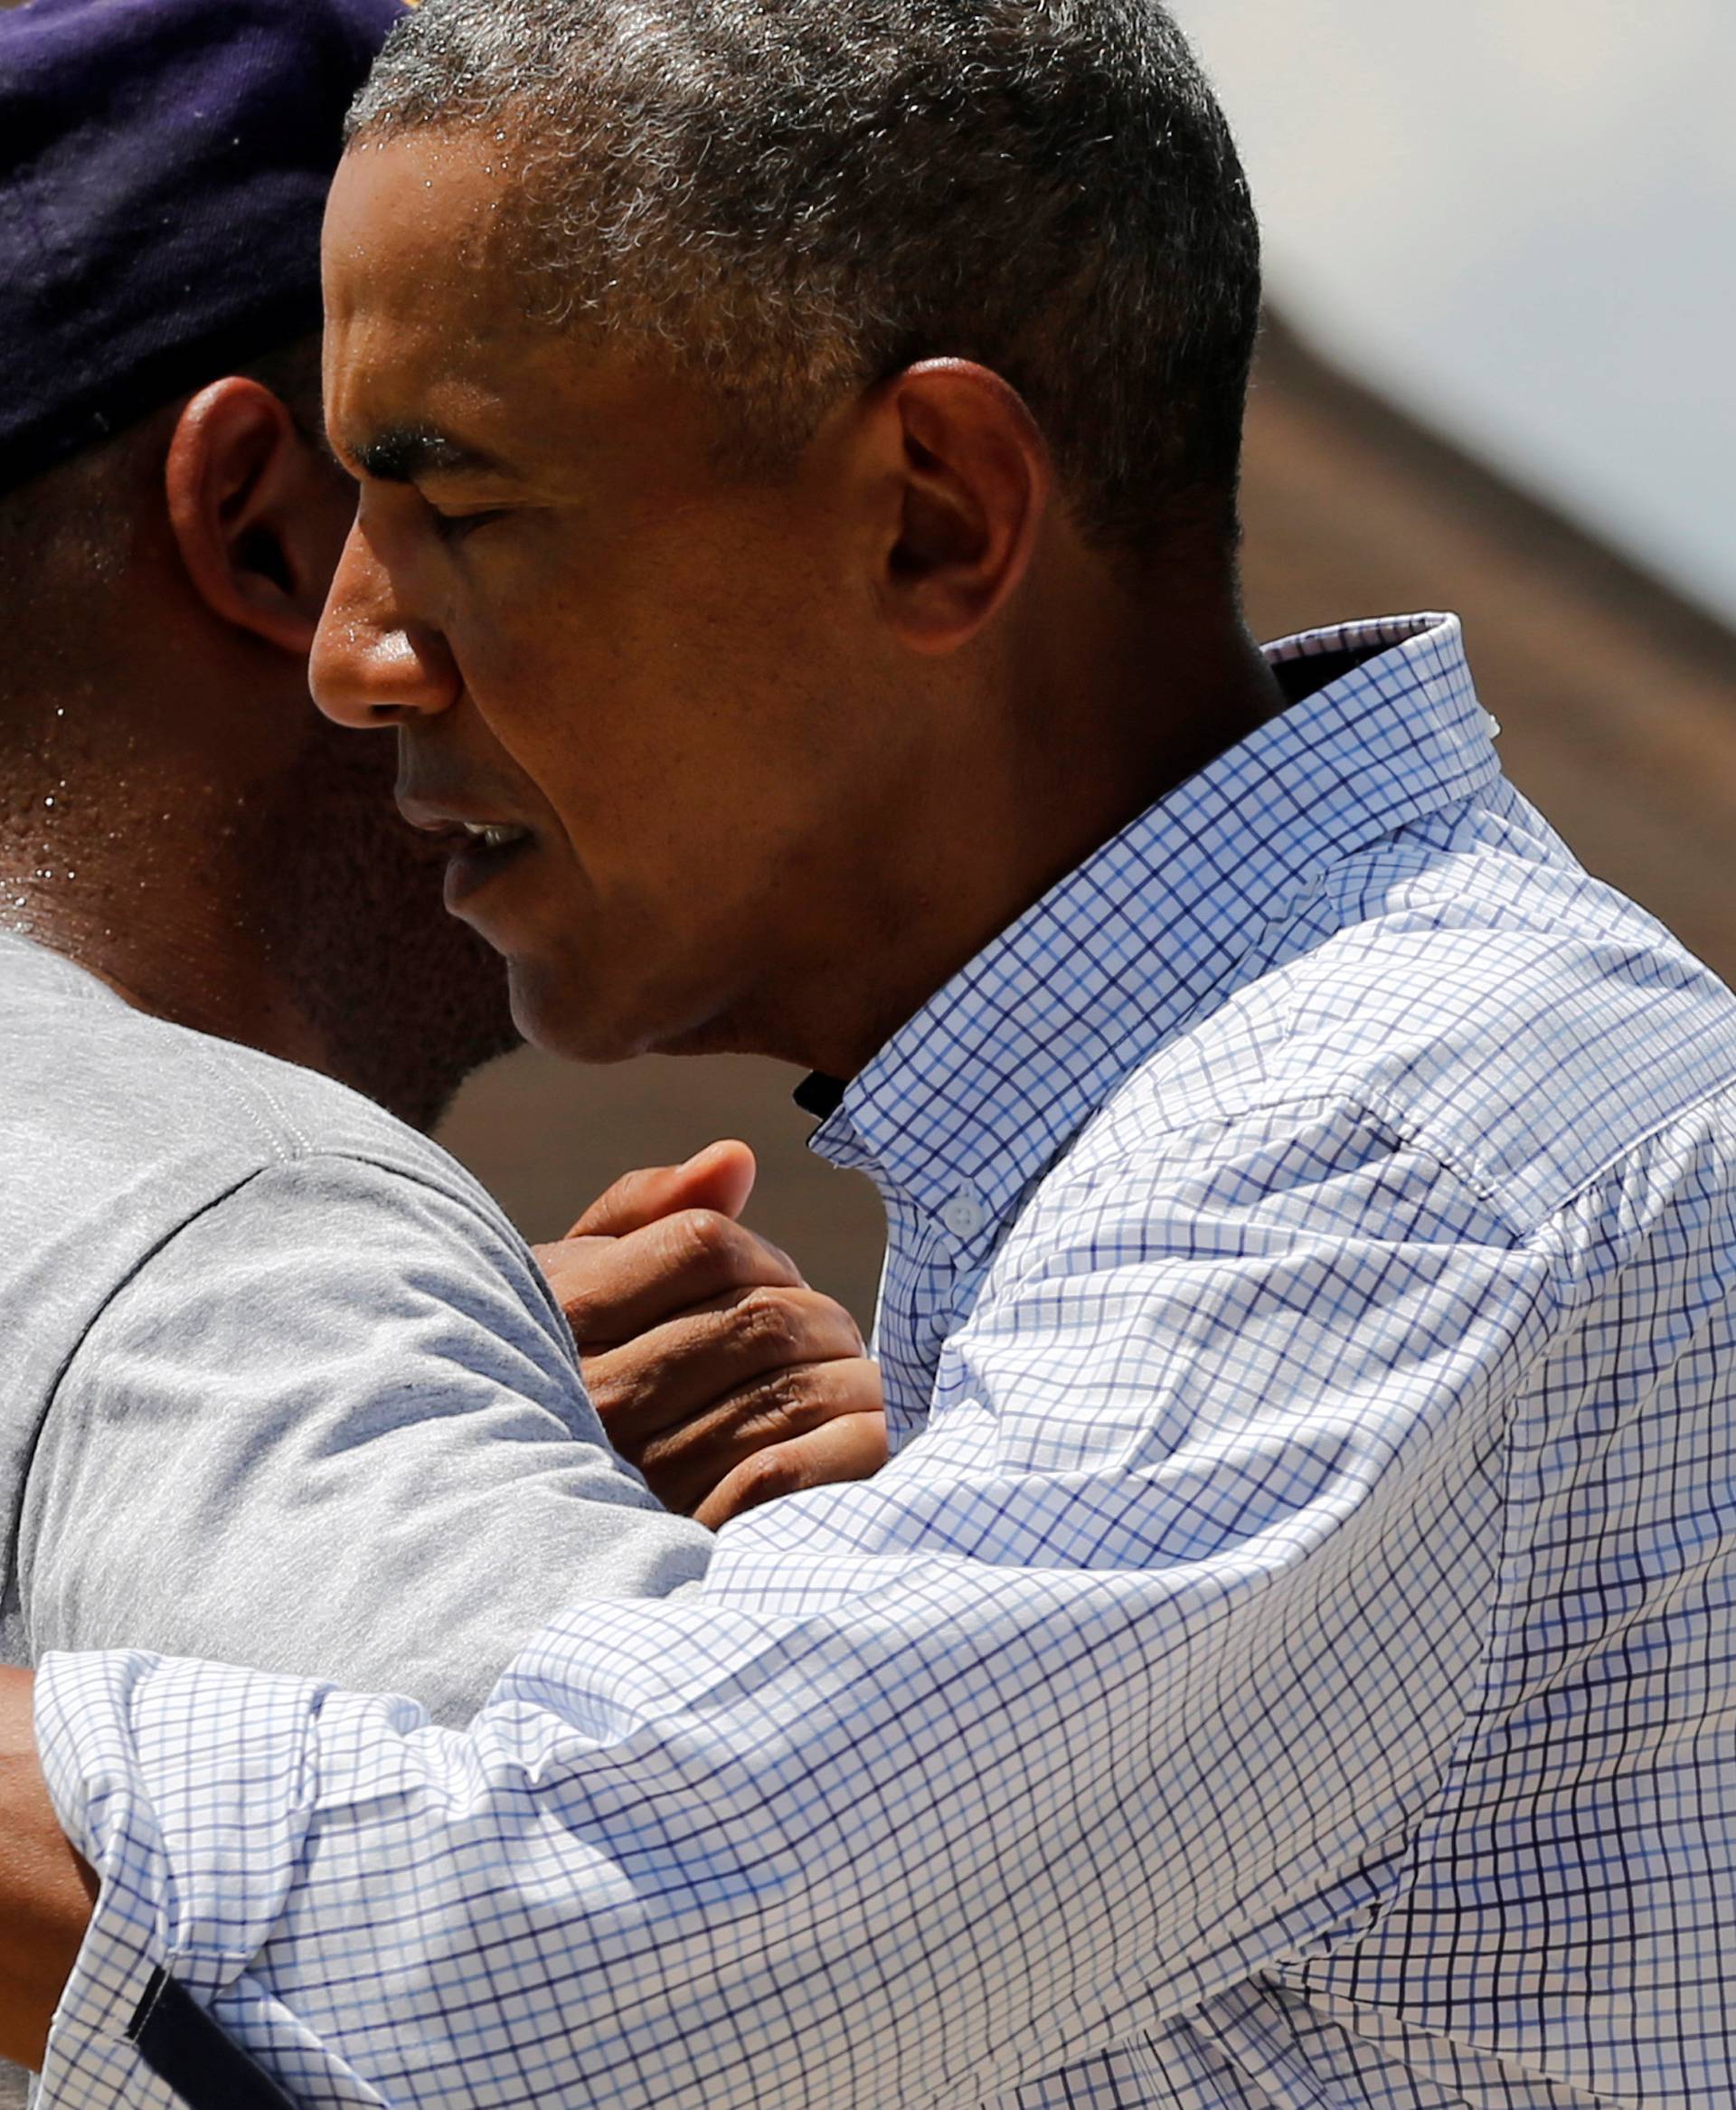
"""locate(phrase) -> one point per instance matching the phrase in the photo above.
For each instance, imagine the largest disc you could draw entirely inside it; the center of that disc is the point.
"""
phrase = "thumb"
(720, 1176)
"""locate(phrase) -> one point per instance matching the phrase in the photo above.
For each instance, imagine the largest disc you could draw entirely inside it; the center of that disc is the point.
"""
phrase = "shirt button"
(964, 1215)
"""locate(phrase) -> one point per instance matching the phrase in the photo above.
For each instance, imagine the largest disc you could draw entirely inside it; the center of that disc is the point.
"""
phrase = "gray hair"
(800, 197)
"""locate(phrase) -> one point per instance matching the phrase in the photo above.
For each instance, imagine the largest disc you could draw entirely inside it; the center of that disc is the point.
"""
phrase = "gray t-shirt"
(284, 1387)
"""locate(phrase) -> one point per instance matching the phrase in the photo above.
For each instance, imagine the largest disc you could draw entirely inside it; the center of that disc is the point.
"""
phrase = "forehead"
(430, 335)
(421, 283)
(425, 206)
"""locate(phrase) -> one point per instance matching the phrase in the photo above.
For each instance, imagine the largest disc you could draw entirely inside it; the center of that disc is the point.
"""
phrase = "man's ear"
(258, 512)
(973, 484)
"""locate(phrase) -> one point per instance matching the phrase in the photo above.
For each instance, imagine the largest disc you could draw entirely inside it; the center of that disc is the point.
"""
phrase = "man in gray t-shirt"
(282, 1384)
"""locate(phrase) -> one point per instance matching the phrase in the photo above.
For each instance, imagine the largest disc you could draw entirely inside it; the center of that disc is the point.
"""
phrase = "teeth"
(492, 838)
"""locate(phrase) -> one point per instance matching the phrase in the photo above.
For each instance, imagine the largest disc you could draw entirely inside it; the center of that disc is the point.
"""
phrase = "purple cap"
(163, 165)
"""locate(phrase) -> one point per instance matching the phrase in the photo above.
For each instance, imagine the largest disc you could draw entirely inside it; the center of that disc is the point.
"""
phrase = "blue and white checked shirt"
(1287, 1662)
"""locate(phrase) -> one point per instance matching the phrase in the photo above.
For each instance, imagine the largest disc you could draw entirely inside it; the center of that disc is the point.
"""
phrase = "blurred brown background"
(1617, 697)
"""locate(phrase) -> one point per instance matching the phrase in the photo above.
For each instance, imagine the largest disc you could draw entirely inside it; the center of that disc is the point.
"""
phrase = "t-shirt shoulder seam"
(289, 1138)
(455, 1187)
(282, 1136)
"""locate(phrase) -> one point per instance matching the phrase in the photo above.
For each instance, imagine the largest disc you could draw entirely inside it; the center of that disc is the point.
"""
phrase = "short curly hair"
(798, 197)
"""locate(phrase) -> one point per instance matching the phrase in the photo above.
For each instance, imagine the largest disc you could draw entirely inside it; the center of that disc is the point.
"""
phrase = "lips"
(479, 854)
(493, 835)
(476, 851)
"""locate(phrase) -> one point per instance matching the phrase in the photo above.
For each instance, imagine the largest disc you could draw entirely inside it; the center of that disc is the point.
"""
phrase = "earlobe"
(975, 485)
(257, 515)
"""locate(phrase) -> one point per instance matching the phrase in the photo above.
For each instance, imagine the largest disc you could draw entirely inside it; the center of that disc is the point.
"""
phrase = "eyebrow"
(405, 453)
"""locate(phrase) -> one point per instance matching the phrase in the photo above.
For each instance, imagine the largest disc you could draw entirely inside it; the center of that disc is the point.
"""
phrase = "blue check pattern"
(1286, 1661)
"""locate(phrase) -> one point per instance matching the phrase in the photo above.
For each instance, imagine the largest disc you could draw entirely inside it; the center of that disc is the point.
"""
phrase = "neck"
(195, 954)
(159, 897)
(1099, 736)
(270, 896)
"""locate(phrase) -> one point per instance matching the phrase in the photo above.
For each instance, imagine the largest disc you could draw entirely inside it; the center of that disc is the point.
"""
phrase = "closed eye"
(451, 527)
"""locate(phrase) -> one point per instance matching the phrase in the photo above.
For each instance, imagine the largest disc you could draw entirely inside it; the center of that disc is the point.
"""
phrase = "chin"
(566, 1015)
(579, 1018)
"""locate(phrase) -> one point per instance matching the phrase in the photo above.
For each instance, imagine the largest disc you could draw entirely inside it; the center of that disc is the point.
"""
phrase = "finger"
(719, 1178)
(691, 1362)
(685, 1463)
(614, 1288)
(853, 1447)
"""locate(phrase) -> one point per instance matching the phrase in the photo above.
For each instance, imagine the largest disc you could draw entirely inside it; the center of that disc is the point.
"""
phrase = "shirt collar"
(981, 1090)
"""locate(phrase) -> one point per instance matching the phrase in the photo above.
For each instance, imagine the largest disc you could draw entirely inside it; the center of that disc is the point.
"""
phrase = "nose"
(373, 664)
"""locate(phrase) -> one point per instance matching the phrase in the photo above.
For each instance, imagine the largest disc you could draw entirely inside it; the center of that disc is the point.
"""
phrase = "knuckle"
(781, 1397)
(630, 1190)
(783, 1403)
(766, 1321)
(769, 1474)
(577, 1309)
(610, 1396)
(708, 1239)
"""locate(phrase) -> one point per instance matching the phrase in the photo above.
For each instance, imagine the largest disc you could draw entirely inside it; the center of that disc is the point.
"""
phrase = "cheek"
(528, 694)
(588, 722)
(644, 710)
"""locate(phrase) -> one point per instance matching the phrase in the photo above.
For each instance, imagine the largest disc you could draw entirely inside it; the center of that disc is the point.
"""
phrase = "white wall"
(1521, 216)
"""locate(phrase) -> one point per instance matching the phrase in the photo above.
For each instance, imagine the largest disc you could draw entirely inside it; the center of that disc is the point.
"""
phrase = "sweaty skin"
(178, 820)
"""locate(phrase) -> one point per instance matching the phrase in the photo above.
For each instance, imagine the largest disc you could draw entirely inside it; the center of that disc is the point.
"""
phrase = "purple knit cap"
(163, 165)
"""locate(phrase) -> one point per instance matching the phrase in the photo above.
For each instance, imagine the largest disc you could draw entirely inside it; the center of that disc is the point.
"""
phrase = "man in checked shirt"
(1286, 1662)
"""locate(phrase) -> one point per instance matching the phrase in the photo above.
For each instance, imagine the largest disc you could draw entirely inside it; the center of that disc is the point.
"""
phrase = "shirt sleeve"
(332, 1425)
(1132, 1676)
